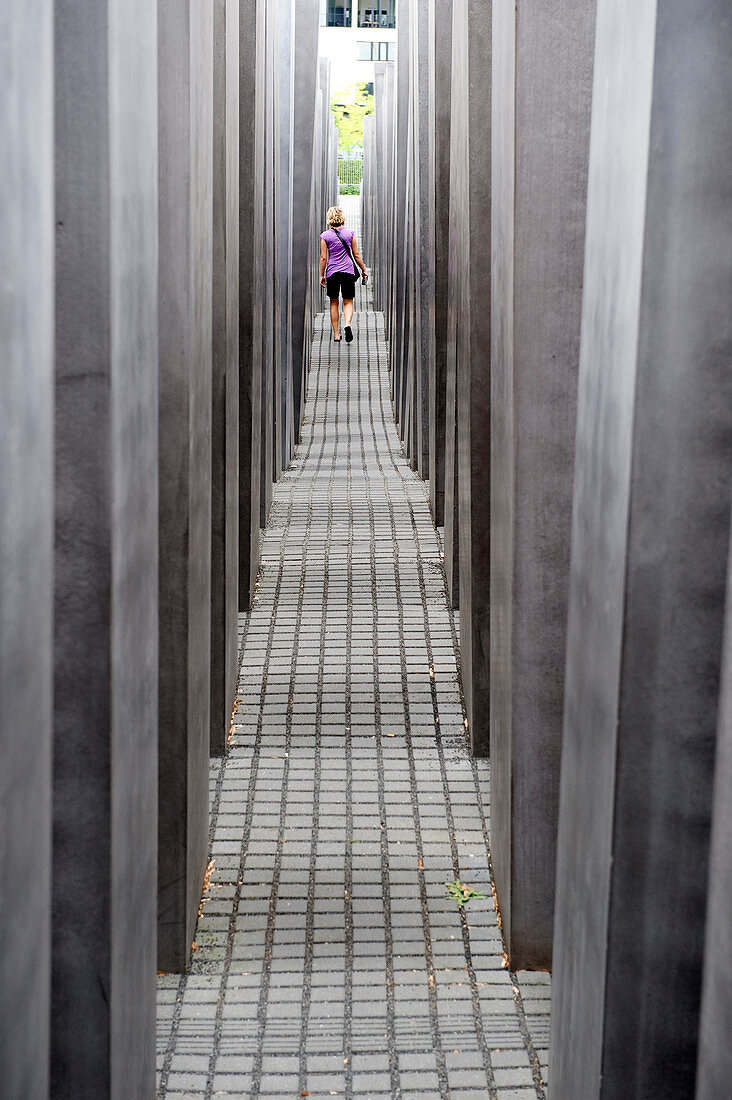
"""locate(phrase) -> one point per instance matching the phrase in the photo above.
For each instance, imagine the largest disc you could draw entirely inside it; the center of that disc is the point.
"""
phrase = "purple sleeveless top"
(338, 258)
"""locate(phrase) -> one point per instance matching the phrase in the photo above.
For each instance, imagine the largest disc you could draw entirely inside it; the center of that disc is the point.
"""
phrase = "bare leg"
(347, 310)
(334, 318)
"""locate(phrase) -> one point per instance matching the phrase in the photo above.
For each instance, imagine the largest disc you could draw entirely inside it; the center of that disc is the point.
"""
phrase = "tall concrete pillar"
(377, 186)
(251, 287)
(650, 539)
(106, 552)
(424, 122)
(388, 192)
(325, 117)
(26, 545)
(715, 1054)
(286, 46)
(399, 228)
(392, 189)
(281, 89)
(185, 53)
(542, 85)
(442, 42)
(304, 90)
(267, 261)
(367, 195)
(225, 374)
(406, 258)
(472, 192)
(384, 123)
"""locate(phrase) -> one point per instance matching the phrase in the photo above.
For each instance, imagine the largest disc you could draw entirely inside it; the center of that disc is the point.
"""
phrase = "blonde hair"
(335, 217)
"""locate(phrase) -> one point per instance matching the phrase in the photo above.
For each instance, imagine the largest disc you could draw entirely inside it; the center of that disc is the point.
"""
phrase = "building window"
(335, 13)
(377, 13)
(376, 51)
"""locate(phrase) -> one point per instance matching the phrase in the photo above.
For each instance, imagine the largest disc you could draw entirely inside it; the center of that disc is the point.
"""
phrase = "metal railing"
(350, 174)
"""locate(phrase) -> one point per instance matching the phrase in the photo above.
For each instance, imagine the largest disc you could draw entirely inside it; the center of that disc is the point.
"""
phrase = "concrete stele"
(185, 350)
(540, 134)
(106, 550)
(225, 374)
(26, 545)
(647, 590)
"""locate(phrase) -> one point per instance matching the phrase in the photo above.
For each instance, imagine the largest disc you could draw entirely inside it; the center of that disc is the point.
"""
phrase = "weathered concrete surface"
(542, 83)
(225, 374)
(267, 260)
(26, 545)
(467, 462)
(438, 367)
(646, 591)
(304, 85)
(323, 194)
(281, 88)
(715, 1053)
(251, 215)
(286, 45)
(106, 554)
(374, 196)
(384, 111)
(400, 214)
(424, 123)
(406, 257)
(455, 279)
(186, 250)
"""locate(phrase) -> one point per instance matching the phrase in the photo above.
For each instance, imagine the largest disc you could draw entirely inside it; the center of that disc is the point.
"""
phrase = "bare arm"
(323, 260)
(357, 257)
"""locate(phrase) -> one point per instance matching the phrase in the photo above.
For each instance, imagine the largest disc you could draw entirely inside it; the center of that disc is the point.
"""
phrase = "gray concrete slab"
(304, 90)
(453, 293)
(106, 553)
(438, 367)
(399, 229)
(377, 193)
(424, 121)
(324, 118)
(267, 260)
(280, 231)
(715, 1054)
(368, 198)
(186, 251)
(251, 224)
(26, 546)
(286, 46)
(384, 107)
(225, 374)
(407, 258)
(646, 592)
(542, 83)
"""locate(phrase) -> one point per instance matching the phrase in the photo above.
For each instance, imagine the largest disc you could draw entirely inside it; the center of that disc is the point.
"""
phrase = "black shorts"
(340, 282)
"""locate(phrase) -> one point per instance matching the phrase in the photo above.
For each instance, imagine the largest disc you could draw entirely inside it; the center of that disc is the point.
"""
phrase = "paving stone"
(342, 808)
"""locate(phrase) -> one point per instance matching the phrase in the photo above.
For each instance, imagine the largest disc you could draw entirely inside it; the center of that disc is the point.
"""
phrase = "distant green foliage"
(350, 105)
(349, 189)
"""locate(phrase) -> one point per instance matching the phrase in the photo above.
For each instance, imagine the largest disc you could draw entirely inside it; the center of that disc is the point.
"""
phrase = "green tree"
(349, 106)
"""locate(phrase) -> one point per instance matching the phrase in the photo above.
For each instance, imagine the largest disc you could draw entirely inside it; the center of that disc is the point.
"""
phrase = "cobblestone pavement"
(330, 959)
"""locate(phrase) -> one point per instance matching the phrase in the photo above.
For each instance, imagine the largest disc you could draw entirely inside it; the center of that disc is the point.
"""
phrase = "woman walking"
(339, 255)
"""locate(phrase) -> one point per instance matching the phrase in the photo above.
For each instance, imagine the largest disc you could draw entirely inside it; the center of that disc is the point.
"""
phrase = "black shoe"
(337, 339)
(349, 334)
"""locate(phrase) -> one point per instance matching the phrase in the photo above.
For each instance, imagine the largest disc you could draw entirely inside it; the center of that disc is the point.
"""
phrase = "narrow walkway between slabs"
(331, 959)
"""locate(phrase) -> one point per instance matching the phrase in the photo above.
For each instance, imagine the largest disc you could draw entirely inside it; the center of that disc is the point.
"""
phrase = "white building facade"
(354, 34)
